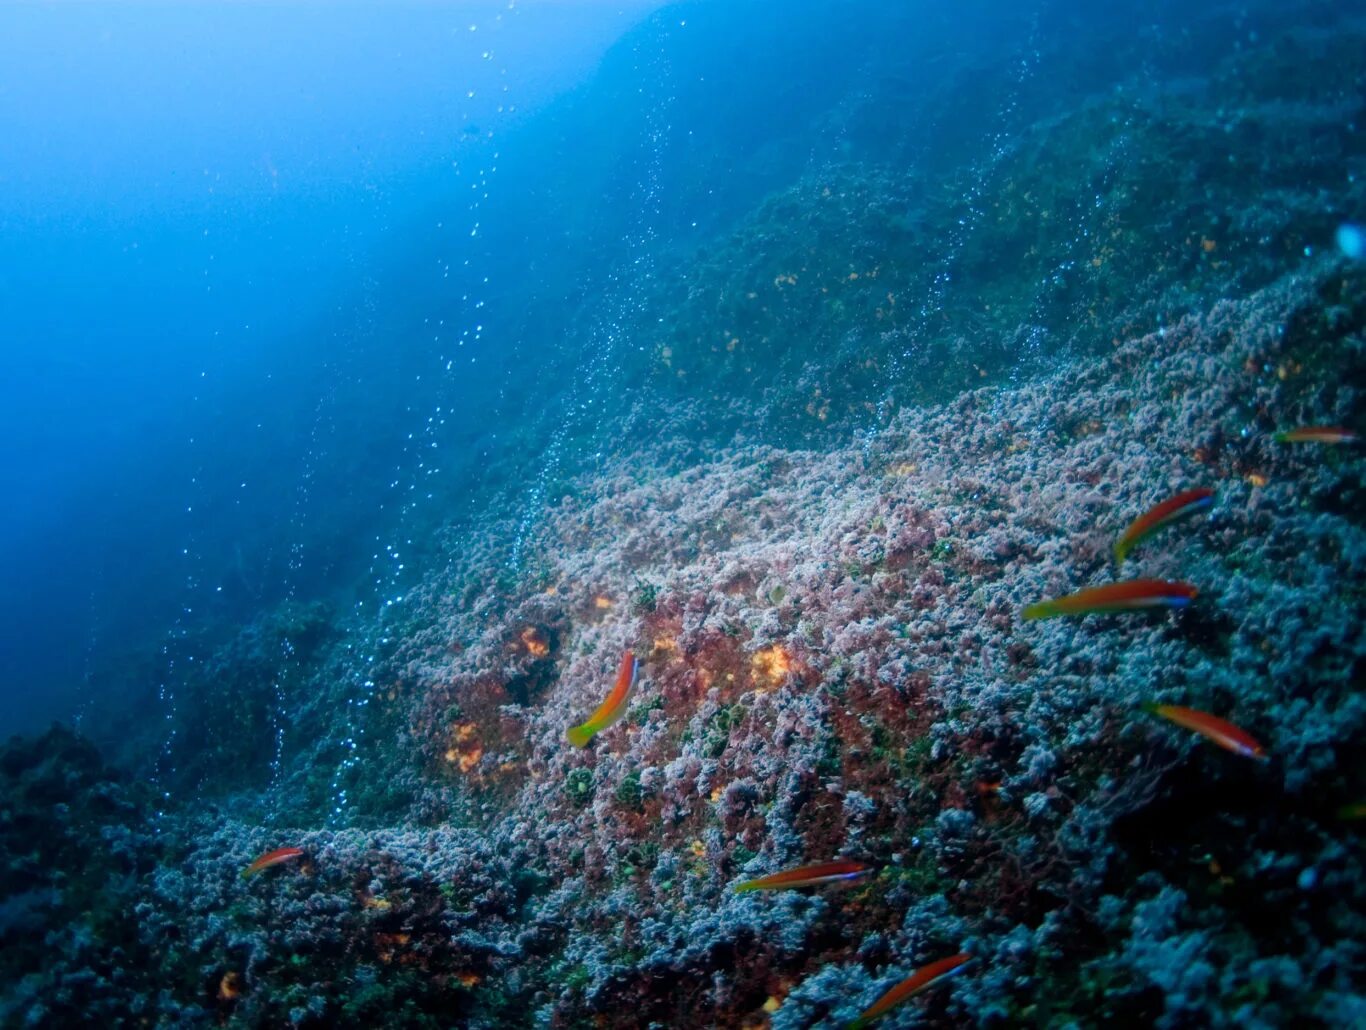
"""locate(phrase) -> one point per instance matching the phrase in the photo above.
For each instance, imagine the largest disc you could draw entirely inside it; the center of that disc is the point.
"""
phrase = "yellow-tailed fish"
(816, 875)
(1130, 595)
(613, 708)
(1316, 434)
(921, 979)
(271, 858)
(1211, 727)
(1164, 514)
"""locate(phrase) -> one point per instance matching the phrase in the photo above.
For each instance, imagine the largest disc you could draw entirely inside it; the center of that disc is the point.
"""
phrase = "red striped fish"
(1211, 727)
(1130, 595)
(1186, 503)
(816, 875)
(922, 979)
(269, 859)
(1316, 434)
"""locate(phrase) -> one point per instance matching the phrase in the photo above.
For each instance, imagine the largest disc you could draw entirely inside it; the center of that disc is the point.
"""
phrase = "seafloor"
(833, 662)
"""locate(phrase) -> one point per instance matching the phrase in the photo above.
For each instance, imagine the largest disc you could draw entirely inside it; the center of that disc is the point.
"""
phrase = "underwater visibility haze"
(683, 514)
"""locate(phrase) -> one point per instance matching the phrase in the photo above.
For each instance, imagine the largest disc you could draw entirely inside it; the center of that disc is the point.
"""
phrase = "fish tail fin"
(1041, 610)
(579, 736)
(1121, 550)
(1151, 707)
(1282, 437)
(745, 888)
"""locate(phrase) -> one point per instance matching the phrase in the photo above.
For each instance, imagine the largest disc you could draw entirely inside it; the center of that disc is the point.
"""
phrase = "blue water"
(220, 229)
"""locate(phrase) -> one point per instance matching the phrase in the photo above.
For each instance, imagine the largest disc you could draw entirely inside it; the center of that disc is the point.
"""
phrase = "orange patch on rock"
(230, 986)
(536, 644)
(466, 748)
(771, 666)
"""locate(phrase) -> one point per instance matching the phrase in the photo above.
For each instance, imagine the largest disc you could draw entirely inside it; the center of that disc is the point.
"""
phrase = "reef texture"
(907, 279)
(833, 663)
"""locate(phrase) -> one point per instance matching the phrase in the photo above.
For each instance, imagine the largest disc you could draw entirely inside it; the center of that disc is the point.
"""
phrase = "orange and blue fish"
(922, 979)
(1316, 434)
(1183, 504)
(1211, 727)
(839, 871)
(1128, 596)
(613, 708)
(271, 858)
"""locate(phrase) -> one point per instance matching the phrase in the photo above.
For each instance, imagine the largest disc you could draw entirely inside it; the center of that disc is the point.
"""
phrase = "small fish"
(613, 708)
(1164, 514)
(1225, 734)
(1130, 595)
(1353, 811)
(1316, 434)
(269, 859)
(817, 875)
(922, 978)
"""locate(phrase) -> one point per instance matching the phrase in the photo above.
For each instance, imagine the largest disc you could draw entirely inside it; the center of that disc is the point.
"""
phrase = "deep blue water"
(220, 240)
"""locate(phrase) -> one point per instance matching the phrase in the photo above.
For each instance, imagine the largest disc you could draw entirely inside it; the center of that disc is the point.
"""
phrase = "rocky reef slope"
(833, 663)
(872, 419)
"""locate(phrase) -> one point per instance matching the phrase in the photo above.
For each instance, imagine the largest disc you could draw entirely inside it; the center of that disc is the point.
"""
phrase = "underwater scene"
(770, 514)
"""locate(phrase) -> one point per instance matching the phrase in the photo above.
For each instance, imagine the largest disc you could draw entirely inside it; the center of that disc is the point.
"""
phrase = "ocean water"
(491, 484)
